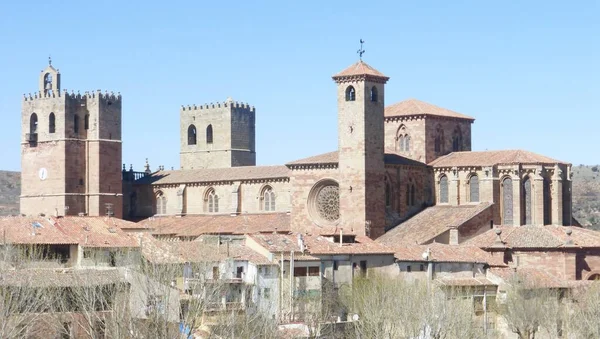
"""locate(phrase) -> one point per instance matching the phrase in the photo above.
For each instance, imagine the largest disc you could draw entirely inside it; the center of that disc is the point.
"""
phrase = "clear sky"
(528, 71)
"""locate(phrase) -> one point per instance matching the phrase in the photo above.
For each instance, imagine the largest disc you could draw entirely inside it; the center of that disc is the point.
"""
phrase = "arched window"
(350, 93)
(48, 83)
(209, 134)
(457, 140)
(76, 123)
(507, 201)
(547, 202)
(401, 143)
(374, 94)
(444, 189)
(526, 202)
(407, 195)
(86, 122)
(439, 140)
(191, 134)
(212, 201)
(412, 195)
(407, 143)
(51, 123)
(474, 188)
(403, 139)
(33, 122)
(268, 199)
(161, 203)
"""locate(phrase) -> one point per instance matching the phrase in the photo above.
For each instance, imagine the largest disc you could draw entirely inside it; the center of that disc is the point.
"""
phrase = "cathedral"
(395, 164)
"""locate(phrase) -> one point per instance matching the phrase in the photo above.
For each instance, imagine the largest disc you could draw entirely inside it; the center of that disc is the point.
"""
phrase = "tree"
(586, 312)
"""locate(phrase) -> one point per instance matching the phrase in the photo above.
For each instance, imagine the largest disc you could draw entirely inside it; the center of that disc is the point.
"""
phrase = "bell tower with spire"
(360, 97)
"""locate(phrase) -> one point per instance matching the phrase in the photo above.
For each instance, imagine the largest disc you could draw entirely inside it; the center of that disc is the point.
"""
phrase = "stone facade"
(217, 135)
(71, 151)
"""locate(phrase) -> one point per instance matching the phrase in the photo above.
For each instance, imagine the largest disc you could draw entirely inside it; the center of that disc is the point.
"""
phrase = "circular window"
(324, 201)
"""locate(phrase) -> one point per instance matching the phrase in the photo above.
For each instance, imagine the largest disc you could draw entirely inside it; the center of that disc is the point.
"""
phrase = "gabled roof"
(333, 158)
(491, 158)
(537, 237)
(448, 253)
(215, 174)
(417, 107)
(430, 223)
(360, 68)
(196, 225)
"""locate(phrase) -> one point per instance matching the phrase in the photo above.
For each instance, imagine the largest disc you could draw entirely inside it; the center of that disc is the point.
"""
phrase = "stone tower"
(217, 135)
(361, 149)
(70, 151)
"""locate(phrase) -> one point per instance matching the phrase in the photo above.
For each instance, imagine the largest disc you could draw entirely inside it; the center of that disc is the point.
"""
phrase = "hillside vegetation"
(586, 194)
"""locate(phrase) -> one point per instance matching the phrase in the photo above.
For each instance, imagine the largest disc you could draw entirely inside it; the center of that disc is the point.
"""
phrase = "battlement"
(219, 105)
(92, 95)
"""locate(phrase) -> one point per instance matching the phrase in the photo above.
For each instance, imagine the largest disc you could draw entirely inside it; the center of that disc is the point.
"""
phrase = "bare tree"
(585, 314)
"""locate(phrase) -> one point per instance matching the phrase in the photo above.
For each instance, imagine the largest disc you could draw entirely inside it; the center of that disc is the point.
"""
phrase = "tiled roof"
(537, 237)
(359, 68)
(38, 277)
(196, 225)
(332, 158)
(416, 107)
(197, 251)
(536, 277)
(460, 281)
(448, 253)
(430, 223)
(490, 158)
(86, 231)
(215, 174)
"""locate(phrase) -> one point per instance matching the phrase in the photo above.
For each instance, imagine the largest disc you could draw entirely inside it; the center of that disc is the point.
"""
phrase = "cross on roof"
(361, 51)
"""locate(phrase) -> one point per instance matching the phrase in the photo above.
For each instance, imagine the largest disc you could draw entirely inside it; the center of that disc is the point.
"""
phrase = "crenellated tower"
(361, 134)
(70, 151)
(217, 135)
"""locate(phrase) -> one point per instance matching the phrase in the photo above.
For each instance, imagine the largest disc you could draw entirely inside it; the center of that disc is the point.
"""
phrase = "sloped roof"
(462, 281)
(33, 230)
(491, 158)
(430, 223)
(333, 158)
(215, 174)
(358, 69)
(196, 225)
(448, 253)
(39, 277)
(550, 236)
(538, 278)
(417, 107)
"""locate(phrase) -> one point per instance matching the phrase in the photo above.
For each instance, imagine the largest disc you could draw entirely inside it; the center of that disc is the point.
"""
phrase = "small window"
(266, 293)
(408, 268)
(350, 93)
(300, 271)
(422, 268)
(313, 271)
(374, 94)
(86, 122)
(191, 133)
(209, 134)
(76, 123)
(52, 123)
(335, 265)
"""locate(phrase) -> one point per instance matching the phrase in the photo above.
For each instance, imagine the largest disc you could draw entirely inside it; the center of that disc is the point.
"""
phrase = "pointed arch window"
(350, 93)
(76, 123)
(457, 141)
(374, 94)
(209, 134)
(268, 199)
(444, 189)
(52, 123)
(526, 202)
(161, 203)
(191, 135)
(403, 139)
(33, 123)
(474, 188)
(547, 202)
(507, 201)
(212, 201)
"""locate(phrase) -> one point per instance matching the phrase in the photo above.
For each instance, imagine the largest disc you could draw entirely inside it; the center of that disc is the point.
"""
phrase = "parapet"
(219, 105)
(75, 96)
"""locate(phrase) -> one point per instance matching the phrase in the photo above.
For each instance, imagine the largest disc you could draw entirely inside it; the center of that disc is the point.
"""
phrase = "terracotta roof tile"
(537, 277)
(215, 174)
(430, 223)
(448, 253)
(549, 236)
(359, 68)
(490, 158)
(37, 277)
(332, 158)
(196, 225)
(456, 281)
(416, 107)
(33, 230)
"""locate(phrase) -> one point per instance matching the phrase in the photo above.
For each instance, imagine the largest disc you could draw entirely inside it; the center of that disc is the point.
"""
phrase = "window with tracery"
(212, 201)
(507, 201)
(474, 188)
(268, 199)
(328, 202)
(161, 203)
(444, 189)
(403, 139)
(350, 93)
(527, 190)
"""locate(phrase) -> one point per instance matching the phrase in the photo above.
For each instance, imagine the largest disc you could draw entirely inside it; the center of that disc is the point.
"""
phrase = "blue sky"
(528, 71)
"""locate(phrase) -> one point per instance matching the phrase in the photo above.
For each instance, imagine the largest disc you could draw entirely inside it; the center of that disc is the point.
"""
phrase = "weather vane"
(361, 51)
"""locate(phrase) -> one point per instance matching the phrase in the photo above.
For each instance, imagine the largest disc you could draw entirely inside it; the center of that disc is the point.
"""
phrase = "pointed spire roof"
(360, 71)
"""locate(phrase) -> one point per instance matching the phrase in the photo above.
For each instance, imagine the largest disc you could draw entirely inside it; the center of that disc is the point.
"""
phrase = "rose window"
(328, 203)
